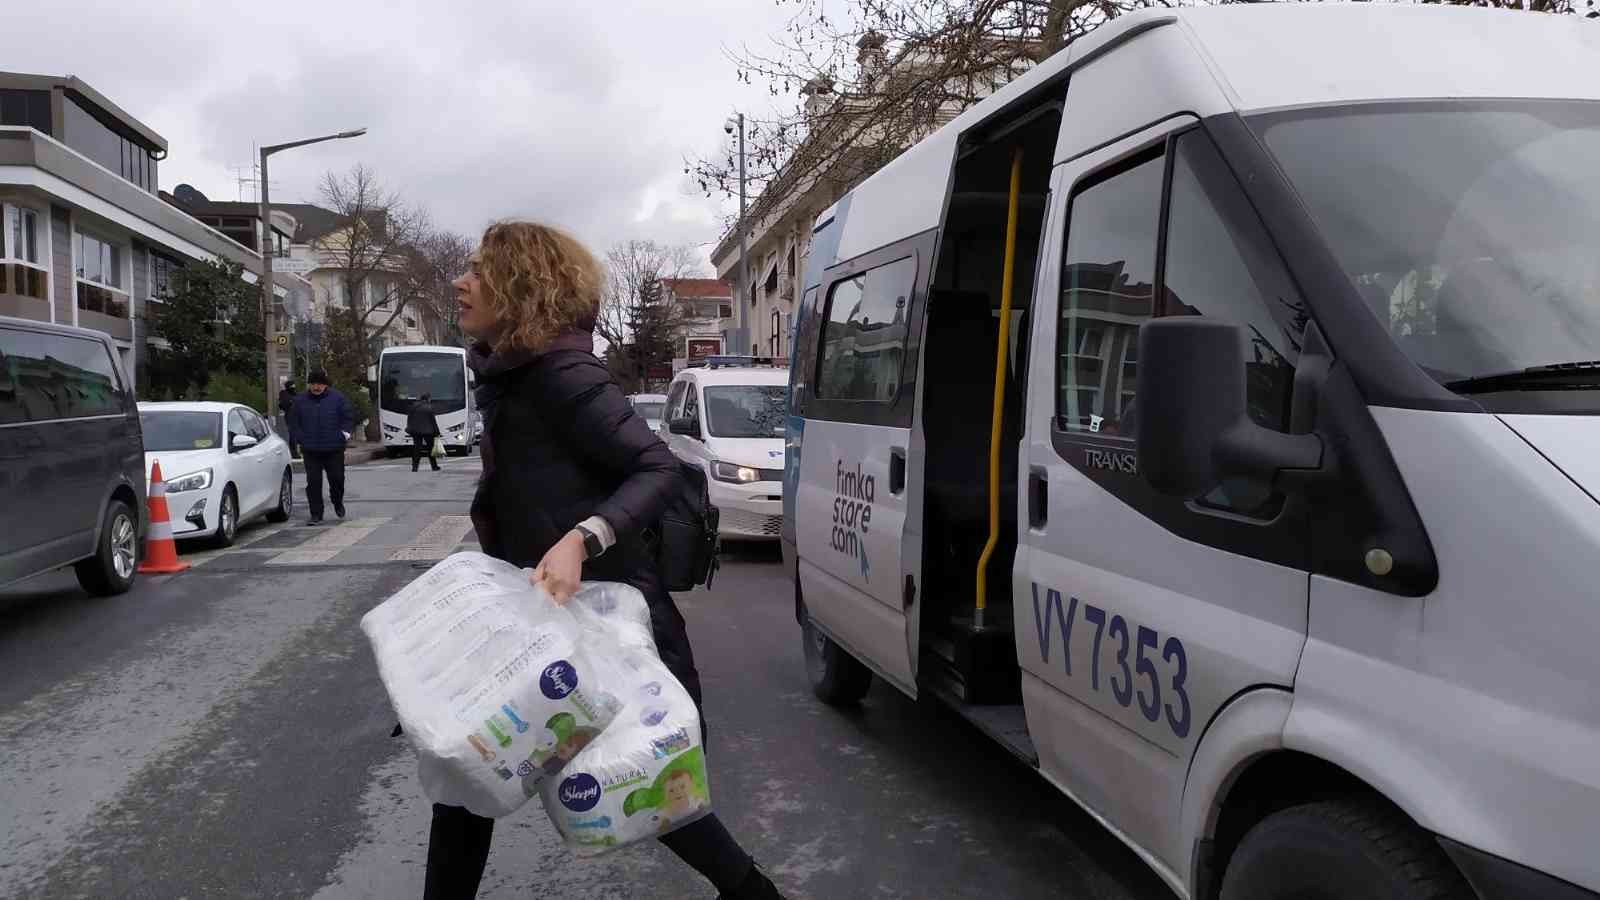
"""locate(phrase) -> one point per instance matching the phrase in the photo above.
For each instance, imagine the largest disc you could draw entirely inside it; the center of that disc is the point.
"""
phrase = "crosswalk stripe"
(330, 543)
(436, 541)
(243, 541)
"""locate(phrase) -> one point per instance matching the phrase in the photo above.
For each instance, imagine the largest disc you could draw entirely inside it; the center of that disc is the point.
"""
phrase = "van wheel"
(1341, 850)
(280, 513)
(837, 678)
(111, 569)
(227, 519)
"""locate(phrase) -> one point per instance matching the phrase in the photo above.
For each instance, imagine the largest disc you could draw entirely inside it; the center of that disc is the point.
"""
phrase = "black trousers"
(422, 446)
(318, 463)
(458, 842)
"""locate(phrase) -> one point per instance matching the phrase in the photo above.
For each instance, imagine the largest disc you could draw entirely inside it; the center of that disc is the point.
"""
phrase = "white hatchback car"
(729, 420)
(223, 466)
(652, 407)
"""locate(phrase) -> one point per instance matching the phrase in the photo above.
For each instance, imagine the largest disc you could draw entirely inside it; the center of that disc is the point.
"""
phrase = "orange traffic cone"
(160, 551)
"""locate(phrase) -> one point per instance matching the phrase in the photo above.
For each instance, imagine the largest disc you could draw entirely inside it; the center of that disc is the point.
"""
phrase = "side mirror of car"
(1194, 428)
(242, 442)
(686, 426)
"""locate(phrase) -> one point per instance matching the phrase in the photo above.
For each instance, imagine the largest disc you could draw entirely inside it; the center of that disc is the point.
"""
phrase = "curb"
(363, 453)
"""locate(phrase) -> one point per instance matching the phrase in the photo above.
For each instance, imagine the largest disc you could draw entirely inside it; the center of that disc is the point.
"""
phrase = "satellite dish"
(188, 194)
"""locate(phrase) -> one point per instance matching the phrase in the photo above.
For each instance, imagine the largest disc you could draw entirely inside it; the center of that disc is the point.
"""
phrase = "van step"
(1006, 724)
(985, 663)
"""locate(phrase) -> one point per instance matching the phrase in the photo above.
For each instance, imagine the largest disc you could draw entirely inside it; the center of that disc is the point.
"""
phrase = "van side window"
(1107, 291)
(675, 401)
(54, 376)
(1220, 263)
(691, 402)
(864, 334)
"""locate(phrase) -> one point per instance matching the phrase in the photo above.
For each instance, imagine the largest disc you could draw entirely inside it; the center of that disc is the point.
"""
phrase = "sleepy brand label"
(579, 792)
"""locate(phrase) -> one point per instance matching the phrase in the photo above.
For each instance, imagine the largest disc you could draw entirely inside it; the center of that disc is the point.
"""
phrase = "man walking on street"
(320, 422)
(423, 426)
(285, 404)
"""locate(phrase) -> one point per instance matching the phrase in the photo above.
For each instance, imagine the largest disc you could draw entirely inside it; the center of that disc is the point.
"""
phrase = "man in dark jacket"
(320, 422)
(285, 404)
(423, 427)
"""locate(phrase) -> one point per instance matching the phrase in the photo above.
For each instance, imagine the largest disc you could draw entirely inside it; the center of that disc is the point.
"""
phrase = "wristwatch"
(592, 547)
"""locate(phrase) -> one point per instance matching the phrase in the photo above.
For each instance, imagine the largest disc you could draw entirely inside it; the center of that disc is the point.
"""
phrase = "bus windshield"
(407, 376)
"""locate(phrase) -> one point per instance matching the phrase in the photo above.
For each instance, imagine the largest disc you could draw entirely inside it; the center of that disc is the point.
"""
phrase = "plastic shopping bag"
(437, 451)
(493, 682)
(645, 774)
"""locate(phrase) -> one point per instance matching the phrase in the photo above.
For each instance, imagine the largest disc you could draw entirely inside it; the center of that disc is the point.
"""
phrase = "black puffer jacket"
(561, 444)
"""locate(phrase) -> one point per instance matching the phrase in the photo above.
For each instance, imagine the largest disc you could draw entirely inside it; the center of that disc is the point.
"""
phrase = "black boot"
(755, 886)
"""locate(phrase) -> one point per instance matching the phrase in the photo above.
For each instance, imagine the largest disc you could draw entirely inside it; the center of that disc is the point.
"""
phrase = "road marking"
(436, 541)
(244, 540)
(330, 543)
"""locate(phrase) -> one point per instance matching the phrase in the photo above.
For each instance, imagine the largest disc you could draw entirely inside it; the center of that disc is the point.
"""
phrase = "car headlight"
(722, 471)
(194, 481)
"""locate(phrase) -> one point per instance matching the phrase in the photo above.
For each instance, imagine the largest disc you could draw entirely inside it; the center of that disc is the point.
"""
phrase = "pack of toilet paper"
(495, 684)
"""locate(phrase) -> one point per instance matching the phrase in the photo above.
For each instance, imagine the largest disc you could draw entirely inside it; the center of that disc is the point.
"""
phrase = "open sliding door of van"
(855, 389)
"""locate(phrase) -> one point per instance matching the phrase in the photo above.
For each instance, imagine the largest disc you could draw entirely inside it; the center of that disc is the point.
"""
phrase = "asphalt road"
(224, 733)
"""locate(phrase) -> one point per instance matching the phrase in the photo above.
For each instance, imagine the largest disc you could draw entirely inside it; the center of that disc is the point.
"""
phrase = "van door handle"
(897, 470)
(1038, 499)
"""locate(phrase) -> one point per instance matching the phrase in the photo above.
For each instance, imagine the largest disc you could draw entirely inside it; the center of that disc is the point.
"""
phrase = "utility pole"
(268, 298)
(742, 330)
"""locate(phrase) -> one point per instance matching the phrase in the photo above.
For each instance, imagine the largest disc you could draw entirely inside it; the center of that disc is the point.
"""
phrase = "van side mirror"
(686, 426)
(1194, 428)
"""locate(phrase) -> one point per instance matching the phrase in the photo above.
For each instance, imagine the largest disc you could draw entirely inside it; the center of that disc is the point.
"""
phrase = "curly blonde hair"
(537, 282)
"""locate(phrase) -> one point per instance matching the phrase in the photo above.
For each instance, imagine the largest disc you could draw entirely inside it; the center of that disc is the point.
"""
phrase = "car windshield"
(747, 410)
(650, 410)
(407, 376)
(171, 431)
(1469, 227)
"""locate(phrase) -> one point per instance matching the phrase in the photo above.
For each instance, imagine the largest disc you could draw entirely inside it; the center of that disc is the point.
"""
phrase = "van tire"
(837, 678)
(1341, 850)
(111, 570)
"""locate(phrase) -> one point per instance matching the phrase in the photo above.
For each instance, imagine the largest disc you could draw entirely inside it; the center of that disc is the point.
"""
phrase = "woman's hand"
(561, 570)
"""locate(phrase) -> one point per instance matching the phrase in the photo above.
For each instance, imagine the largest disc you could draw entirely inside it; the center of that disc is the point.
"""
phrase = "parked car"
(70, 457)
(652, 407)
(728, 418)
(223, 466)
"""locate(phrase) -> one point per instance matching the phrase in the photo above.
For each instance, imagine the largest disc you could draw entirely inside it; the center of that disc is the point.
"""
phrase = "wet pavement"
(224, 733)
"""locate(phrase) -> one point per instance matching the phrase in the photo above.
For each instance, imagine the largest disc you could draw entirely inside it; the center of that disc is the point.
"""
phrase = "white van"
(728, 418)
(1277, 551)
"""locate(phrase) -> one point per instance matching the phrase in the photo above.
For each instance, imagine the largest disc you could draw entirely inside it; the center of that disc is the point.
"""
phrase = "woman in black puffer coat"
(572, 479)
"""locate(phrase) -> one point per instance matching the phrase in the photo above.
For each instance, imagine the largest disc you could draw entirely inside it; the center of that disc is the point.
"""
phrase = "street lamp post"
(737, 121)
(268, 300)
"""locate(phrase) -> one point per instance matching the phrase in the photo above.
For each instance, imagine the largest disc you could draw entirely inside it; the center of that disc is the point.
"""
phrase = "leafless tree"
(637, 324)
(853, 91)
(435, 262)
(372, 251)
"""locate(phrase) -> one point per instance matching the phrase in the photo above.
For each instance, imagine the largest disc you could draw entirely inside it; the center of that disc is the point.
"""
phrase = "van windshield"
(1468, 226)
(166, 432)
(747, 410)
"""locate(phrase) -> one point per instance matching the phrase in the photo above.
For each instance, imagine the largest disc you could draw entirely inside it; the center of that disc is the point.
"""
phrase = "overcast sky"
(573, 113)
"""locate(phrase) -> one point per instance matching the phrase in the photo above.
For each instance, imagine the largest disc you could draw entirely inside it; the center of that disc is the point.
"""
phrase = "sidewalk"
(355, 453)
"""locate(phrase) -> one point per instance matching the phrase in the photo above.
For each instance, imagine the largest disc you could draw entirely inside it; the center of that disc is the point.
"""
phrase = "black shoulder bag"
(687, 545)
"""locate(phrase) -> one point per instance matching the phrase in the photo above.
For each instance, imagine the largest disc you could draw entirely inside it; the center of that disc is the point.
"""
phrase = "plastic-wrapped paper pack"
(645, 775)
(492, 681)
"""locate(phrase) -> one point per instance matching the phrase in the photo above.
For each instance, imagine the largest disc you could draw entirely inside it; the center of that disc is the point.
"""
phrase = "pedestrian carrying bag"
(437, 452)
(687, 542)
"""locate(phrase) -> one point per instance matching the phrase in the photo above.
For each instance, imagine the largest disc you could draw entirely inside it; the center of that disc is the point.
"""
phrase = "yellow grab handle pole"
(1002, 343)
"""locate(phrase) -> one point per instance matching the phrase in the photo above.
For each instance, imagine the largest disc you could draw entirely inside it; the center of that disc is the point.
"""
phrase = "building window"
(774, 342)
(22, 261)
(90, 135)
(725, 310)
(26, 109)
(101, 284)
(161, 272)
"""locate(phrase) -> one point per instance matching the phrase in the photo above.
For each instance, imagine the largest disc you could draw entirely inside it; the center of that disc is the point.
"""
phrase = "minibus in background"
(405, 374)
(1227, 444)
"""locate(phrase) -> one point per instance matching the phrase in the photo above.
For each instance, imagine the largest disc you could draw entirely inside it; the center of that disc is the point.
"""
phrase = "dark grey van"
(72, 485)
